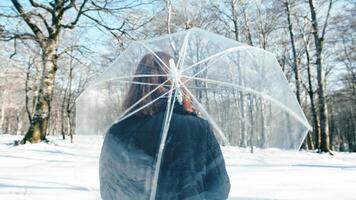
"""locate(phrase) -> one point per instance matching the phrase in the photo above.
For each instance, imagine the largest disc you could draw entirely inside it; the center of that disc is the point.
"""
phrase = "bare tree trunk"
(353, 131)
(45, 22)
(69, 108)
(242, 116)
(2, 119)
(8, 126)
(310, 141)
(249, 35)
(316, 128)
(289, 143)
(241, 72)
(263, 35)
(295, 60)
(234, 19)
(19, 123)
(251, 104)
(62, 114)
(261, 110)
(29, 65)
(70, 127)
(39, 122)
(323, 111)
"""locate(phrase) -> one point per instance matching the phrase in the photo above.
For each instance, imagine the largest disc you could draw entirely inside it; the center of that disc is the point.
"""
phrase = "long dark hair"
(151, 65)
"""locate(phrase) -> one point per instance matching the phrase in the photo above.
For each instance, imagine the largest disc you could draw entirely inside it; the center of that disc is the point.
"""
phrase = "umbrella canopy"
(239, 89)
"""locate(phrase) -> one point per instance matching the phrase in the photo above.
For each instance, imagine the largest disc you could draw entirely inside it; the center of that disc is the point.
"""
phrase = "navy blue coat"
(192, 166)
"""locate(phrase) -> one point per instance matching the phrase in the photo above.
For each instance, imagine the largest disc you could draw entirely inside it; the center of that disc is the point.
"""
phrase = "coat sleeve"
(106, 175)
(124, 171)
(216, 180)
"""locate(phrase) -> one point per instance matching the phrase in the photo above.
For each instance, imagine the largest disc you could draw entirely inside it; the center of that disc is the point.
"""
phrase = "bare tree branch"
(9, 16)
(128, 6)
(28, 19)
(22, 36)
(40, 5)
(69, 6)
(120, 29)
(81, 11)
(43, 19)
(73, 48)
(326, 20)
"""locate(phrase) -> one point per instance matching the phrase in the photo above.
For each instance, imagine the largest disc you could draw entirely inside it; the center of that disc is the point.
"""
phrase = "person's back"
(192, 165)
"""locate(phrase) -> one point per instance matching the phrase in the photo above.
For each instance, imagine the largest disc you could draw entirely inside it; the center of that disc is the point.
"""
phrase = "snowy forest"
(51, 50)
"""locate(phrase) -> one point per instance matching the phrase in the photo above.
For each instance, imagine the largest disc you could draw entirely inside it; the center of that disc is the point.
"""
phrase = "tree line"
(51, 50)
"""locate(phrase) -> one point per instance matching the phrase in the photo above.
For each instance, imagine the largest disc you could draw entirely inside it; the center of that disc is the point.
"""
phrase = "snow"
(62, 170)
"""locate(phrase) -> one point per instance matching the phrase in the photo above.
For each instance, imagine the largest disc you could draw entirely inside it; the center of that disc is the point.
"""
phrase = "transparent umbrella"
(239, 90)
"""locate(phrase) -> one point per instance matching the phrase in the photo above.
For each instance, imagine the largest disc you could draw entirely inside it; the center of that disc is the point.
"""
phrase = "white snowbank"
(61, 170)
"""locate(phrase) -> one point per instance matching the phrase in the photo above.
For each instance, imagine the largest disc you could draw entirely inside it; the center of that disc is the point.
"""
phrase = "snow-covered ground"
(61, 170)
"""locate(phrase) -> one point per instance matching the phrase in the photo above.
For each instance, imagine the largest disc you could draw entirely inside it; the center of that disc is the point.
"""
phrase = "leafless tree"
(319, 37)
(45, 24)
(292, 41)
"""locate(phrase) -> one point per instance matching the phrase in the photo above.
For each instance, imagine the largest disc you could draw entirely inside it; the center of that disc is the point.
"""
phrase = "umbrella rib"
(140, 100)
(141, 83)
(126, 77)
(213, 123)
(183, 51)
(156, 56)
(138, 109)
(254, 92)
(167, 119)
(226, 51)
(205, 68)
(241, 118)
